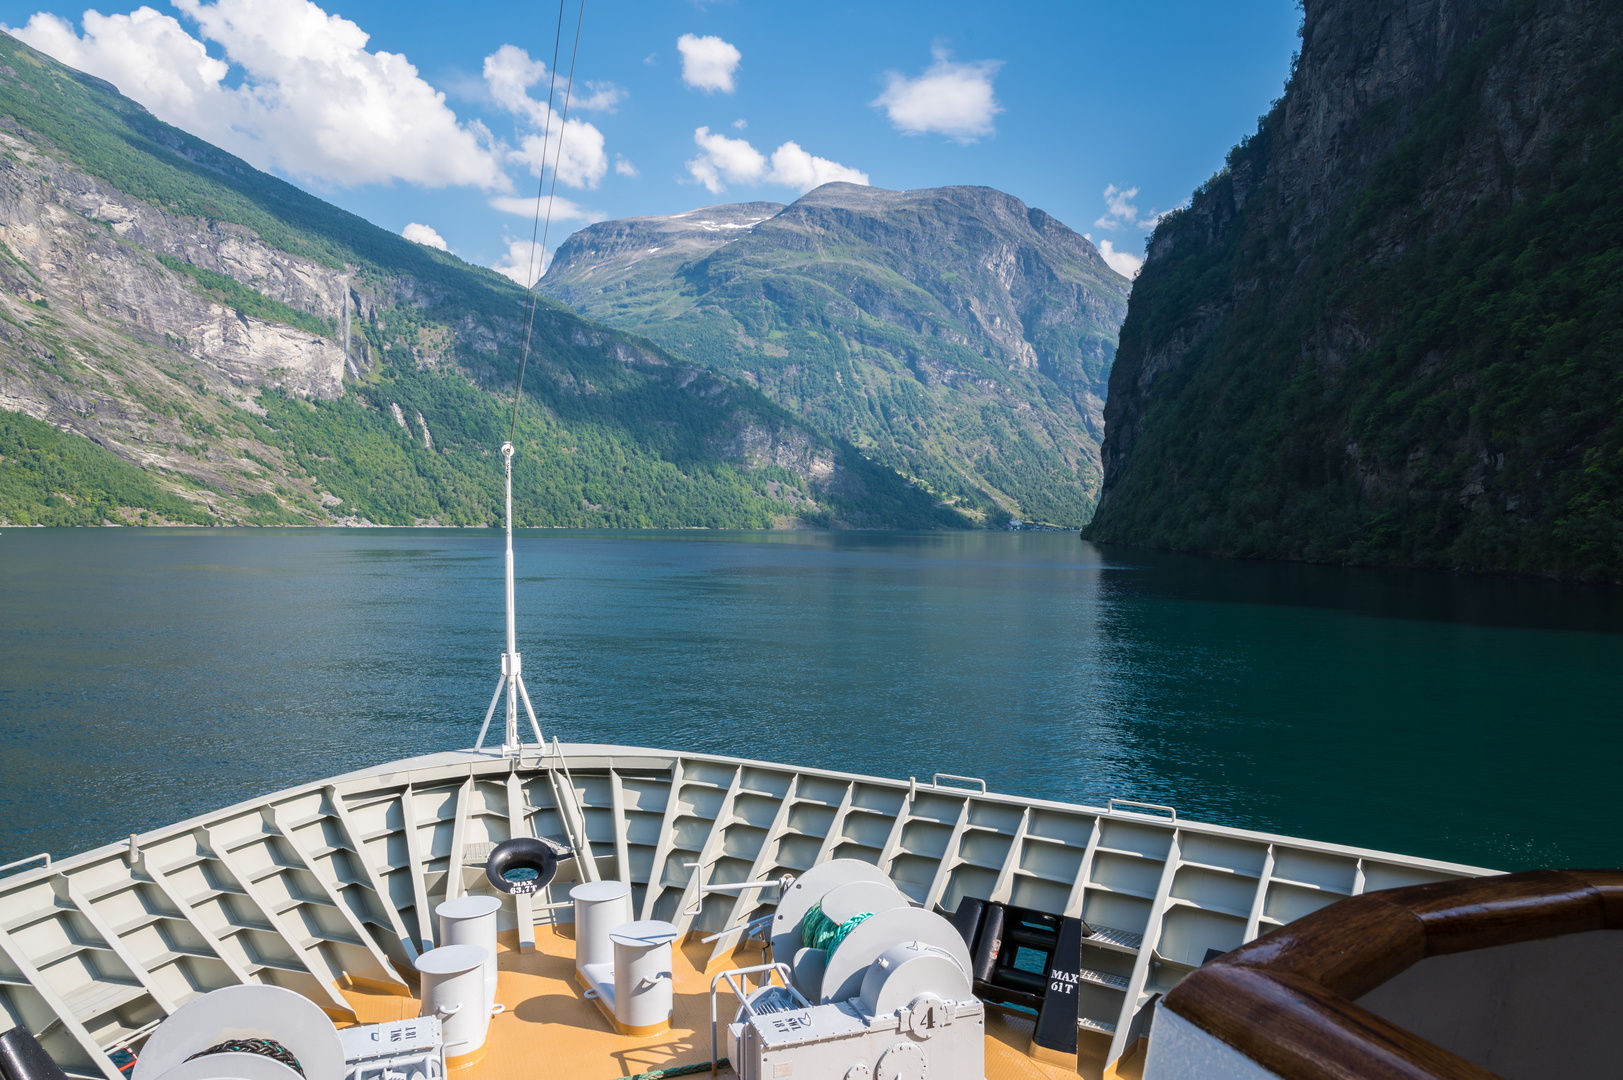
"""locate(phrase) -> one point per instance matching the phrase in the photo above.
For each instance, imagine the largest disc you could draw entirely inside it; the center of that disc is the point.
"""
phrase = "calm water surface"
(147, 675)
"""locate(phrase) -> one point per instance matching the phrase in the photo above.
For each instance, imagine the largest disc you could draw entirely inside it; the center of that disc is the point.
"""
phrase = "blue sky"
(1068, 106)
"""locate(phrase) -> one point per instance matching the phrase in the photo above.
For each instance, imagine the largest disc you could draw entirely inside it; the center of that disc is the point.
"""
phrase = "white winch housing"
(896, 997)
(915, 1018)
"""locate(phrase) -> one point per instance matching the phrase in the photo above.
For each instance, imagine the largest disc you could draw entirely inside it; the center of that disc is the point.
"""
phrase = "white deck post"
(511, 682)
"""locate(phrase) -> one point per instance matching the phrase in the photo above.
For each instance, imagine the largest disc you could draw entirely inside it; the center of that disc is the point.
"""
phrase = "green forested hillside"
(953, 334)
(633, 453)
(186, 313)
(48, 477)
(1422, 368)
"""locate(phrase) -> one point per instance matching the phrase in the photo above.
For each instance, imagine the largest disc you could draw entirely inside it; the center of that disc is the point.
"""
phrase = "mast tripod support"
(512, 677)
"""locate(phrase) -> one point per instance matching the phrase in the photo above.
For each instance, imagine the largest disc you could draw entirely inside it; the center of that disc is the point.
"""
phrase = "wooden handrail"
(1286, 1001)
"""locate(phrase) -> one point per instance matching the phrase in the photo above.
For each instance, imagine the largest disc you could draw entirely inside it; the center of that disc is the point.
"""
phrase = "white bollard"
(600, 906)
(453, 978)
(471, 920)
(642, 976)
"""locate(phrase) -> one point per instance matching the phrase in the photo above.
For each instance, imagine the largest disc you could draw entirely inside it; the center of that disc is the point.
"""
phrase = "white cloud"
(562, 209)
(622, 167)
(741, 123)
(1119, 209)
(424, 234)
(148, 56)
(708, 63)
(726, 160)
(574, 147)
(1124, 263)
(951, 98)
(524, 262)
(793, 167)
(578, 157)
(1121, 213)
(312, 102)
(601, 97)
(509, 74)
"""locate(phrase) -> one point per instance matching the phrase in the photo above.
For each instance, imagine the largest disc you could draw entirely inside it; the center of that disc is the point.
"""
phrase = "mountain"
(172, 349)
(1390, 330)
(952, 334)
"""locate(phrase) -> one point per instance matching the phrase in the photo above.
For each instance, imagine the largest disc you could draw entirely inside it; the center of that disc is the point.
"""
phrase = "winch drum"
(846, 967)
(809, 889)
(254, 1011)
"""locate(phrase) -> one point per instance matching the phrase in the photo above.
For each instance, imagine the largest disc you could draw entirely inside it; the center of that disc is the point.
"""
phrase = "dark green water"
(148, 675)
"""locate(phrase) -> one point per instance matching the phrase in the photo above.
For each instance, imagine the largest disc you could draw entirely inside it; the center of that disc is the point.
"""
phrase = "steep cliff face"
(1388, 331)
(97, 248)
(190, 315)
(954, 334)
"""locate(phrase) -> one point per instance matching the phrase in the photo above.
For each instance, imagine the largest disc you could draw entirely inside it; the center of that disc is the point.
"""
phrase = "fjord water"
(148, 675)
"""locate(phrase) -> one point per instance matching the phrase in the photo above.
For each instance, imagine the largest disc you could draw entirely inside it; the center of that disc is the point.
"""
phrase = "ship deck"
(549, 1028)
(335, 884)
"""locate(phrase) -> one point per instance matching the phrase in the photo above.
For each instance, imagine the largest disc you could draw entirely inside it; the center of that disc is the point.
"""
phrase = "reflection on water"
(147, 675)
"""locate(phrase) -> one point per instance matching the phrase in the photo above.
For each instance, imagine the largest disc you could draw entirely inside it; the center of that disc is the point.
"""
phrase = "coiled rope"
(818, 931)
(681, 1070)
(263, 1047)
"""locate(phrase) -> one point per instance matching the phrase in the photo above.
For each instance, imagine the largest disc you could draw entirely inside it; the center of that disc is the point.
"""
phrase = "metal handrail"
(732, 886)
(747, 927)
(1110, 807)
(940, 776)
(767, 970)
(563, 814)
(46, 855)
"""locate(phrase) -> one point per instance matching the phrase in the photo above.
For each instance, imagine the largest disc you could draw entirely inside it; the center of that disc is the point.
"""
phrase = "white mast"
(512, 679)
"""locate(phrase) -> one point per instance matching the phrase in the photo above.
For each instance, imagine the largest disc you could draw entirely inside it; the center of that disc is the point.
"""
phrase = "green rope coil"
(680, 1070)
(818, 931)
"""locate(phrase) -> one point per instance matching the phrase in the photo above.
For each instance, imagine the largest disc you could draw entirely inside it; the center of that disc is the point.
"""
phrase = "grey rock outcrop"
(89, 241)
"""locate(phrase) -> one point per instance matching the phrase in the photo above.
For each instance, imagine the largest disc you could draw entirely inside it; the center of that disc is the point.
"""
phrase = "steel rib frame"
(403, 781)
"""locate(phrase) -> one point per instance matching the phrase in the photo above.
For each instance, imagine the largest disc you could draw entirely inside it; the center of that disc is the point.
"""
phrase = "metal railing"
(782, 883)
(940, 776)
(46, 855)
(1110, 807)
(741, 991)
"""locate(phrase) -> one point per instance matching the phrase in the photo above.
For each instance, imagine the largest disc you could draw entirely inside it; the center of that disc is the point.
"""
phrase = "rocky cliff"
(1388, 330)
(266, 357)
(953, 334)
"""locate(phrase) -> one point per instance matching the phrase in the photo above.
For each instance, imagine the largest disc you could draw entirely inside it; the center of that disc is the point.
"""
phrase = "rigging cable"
(530, 299)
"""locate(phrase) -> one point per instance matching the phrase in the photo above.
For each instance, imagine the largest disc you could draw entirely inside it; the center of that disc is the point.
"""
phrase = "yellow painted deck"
(550, 1031)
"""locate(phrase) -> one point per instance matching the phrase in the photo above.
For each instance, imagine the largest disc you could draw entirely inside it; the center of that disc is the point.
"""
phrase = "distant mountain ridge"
(166, 307)
(1390, 330)
(952, 334)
